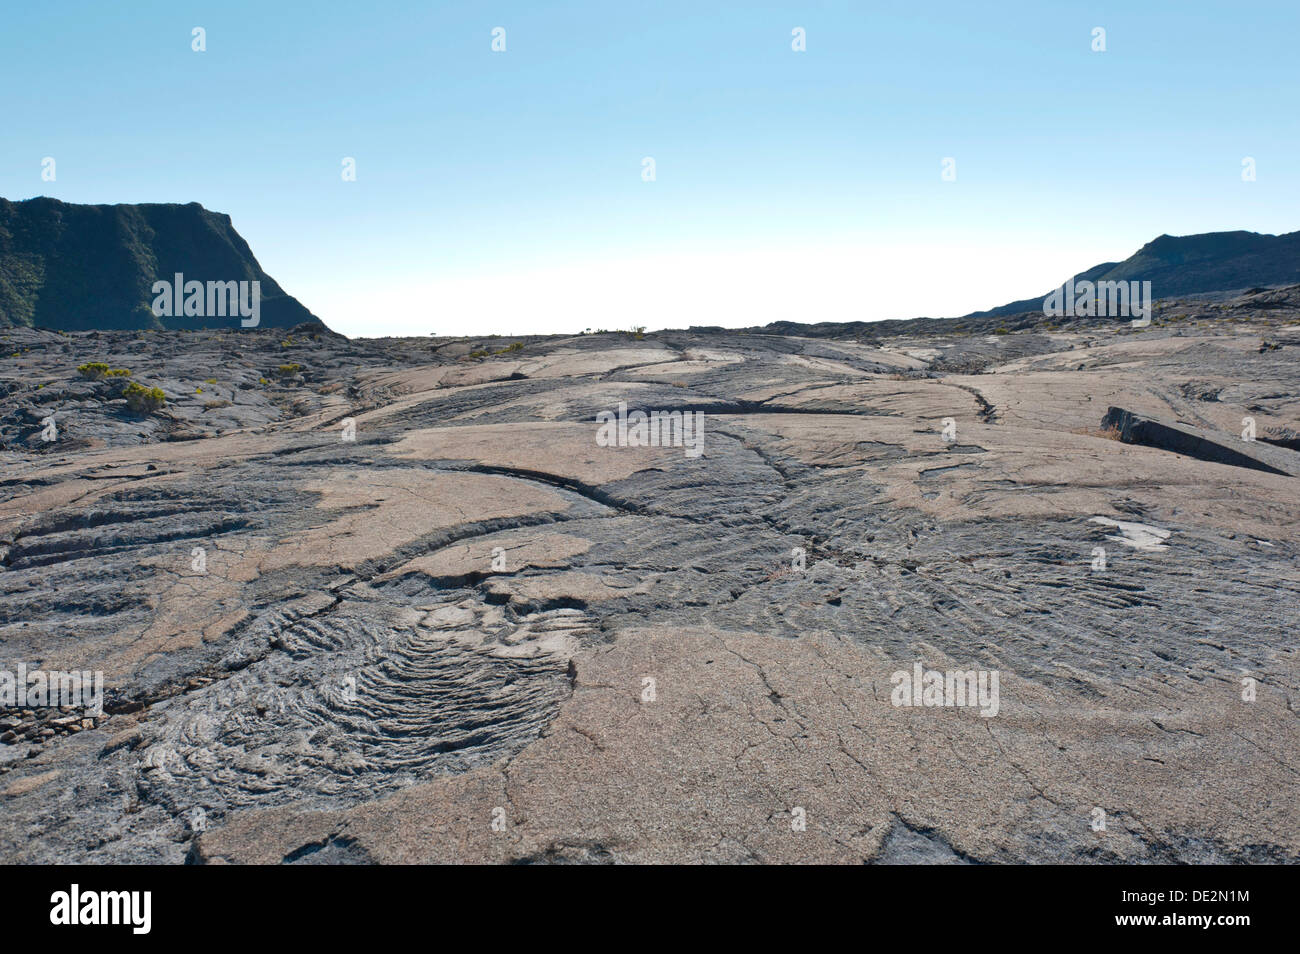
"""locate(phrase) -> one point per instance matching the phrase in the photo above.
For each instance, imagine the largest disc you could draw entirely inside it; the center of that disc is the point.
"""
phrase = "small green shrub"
(98, 370)
(144, 400)
(93, 370)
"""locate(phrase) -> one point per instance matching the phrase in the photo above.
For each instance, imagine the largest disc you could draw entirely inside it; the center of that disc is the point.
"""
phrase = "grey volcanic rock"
(1201, 443)
(79, 267)
(392, 601)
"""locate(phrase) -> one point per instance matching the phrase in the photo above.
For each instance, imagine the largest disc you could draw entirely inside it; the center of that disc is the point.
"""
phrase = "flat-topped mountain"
(93, 267)
(1192, 265)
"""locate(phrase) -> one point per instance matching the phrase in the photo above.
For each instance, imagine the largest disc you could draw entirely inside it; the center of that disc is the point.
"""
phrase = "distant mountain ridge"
(82, 267)
(1190, 265)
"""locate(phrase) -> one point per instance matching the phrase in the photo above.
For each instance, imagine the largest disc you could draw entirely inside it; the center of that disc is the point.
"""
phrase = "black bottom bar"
(333, 905)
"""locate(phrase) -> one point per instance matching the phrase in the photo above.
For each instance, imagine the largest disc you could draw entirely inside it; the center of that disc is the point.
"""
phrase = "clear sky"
(504, 191)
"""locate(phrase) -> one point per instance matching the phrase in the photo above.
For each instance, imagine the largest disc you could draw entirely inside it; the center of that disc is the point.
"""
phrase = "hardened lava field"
(391, 600)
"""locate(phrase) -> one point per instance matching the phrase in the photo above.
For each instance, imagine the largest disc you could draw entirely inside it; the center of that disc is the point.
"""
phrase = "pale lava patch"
(1140, 536)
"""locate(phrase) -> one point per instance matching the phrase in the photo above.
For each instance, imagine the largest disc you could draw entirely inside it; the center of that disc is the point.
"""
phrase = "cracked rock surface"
(397, 603)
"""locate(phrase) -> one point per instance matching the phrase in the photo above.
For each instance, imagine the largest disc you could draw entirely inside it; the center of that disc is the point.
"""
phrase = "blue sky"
(503, 191)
